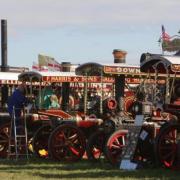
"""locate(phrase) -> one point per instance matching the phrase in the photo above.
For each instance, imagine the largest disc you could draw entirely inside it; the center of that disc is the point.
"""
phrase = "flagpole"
(160, 43)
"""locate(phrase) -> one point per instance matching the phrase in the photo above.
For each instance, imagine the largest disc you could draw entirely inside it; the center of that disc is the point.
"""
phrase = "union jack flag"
(165, 36)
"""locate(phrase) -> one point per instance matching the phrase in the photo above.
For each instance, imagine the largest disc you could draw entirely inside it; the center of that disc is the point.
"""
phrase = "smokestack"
(65, 92)
(119, 56)
(4, 66)
(66, 66)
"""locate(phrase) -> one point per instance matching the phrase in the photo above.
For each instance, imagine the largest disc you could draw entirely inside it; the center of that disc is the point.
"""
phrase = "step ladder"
(18, 143)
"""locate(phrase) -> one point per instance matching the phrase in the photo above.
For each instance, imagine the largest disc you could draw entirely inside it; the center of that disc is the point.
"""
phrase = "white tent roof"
(9, 76)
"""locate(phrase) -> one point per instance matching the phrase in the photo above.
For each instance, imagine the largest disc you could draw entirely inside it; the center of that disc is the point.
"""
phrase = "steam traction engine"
(158, 140)
(167, 143)
(127, 78)
(66, 127)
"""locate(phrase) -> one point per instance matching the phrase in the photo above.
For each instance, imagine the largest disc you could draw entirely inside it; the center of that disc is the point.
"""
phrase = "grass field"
(45, 169)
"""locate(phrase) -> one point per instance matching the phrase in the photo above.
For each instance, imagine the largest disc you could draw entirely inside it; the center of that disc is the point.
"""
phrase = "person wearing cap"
(16, 103)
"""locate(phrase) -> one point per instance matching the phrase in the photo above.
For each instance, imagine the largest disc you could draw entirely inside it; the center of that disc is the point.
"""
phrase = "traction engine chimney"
(119, 57)
(4, 66)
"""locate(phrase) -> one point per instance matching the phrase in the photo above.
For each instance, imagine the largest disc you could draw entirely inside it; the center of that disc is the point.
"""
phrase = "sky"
(80, 31)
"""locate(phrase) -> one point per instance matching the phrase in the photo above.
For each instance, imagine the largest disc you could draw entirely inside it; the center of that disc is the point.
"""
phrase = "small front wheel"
(114, 146)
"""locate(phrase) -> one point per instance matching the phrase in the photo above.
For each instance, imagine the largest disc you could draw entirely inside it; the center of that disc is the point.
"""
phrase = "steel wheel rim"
(115, 145)
(67, 143)
(167, 147)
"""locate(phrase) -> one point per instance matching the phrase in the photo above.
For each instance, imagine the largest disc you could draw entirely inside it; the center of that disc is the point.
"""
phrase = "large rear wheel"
(67, 143)
(167, 146)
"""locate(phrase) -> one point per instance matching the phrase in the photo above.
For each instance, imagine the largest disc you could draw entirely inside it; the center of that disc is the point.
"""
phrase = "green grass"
(46, 169)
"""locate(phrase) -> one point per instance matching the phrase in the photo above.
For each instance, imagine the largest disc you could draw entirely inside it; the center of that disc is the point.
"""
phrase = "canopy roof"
(161, 63)
(53, 77)
(95, 69)
(39, 76)
(30, 76)
(89, 69)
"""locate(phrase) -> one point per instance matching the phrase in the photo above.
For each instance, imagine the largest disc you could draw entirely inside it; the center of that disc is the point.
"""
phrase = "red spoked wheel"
(67, 143)
(114, 146)
(167, 146)
(4, 139)
(40, 141)
(95, 145)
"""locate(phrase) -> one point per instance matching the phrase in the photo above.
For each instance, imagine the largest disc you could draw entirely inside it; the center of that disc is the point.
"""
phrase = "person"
(45, 96)
(16, 103)
(54, 102)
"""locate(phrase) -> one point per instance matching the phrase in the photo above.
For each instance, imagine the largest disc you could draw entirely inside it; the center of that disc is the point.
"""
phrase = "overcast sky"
(80, 31)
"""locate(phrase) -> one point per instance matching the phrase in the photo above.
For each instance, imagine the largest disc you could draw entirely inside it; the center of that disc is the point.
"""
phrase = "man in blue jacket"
(16, 102)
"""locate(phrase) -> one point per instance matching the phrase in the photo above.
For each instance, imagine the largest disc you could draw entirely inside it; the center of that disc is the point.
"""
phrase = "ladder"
(18, 142)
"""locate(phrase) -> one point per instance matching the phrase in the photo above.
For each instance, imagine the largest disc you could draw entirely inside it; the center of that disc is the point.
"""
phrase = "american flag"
(165, 36)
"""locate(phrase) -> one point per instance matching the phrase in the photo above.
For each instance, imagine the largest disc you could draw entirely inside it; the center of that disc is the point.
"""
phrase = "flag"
(43, 68)
(53, 65)
(46, 61)
(165, 36)
(49, 62)
(57, 66)
(35, 66)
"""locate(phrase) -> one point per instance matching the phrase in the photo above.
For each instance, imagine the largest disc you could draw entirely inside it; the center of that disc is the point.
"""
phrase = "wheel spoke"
(73, 138)
(74, 150)
(117, 141)
(59, 136)
(96, 151)
(66, 143)
(114, 146)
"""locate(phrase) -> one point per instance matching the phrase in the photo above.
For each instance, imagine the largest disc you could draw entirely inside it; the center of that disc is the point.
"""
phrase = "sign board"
(90, 79)
(122, 70)
(131, 143)
(127, 165)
